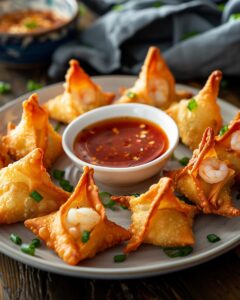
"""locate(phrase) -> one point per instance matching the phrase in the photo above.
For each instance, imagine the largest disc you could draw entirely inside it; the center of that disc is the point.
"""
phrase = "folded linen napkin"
(190, 34)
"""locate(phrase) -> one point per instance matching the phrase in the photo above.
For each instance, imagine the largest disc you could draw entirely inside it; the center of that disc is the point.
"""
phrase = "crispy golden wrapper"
(18, 181)
(81, 95)
(205, 112)
(5, 159)
(224, 149)
(33, 131)
(214, 198)
(155, 85)
(159, 217)
(53, 228)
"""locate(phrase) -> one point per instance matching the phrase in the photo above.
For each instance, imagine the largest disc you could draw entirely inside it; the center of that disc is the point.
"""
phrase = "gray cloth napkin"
(190, 34)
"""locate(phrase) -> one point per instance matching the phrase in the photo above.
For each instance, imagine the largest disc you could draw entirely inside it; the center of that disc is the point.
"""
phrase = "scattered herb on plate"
(85, 236)
(213, 238)
(131, 95)
(36, 196)
(173, 252)
(58, 126)
(223, 130)
(106, 200)
(28, 249)
(31, 24)
(185, 199)
(58, 174)
(65, 184)
(4, 87)
(32, 85)
(119, 258)
(36, 243)
(15, 239)
(184, 160)
(192, 104)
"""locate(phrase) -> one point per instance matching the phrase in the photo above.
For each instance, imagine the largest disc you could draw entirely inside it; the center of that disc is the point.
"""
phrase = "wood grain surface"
(217, 279)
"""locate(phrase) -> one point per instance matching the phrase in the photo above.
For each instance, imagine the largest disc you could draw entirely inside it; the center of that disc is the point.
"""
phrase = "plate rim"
(118, 272)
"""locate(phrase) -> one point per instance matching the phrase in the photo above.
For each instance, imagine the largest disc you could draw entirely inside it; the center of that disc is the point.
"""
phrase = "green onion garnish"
(235, 17)
(189, 35)
(82, 9)
(28, 249)
(15, 239)
(36, 243)
(58, 126)
(58, 174)
(135, 195)
(157, 4)
(4, 87)
(124, 206)
(213, 238)
(85, 236)
(192, 104)
(106, 200)
(119, 258)
(66, 185)
(31, 25)
(36, 196)
(131, 95)
(118, 7)
(33, 85)
(223, 130)
(221, 6)
(178, 251)
(184, 161)
(185, 199)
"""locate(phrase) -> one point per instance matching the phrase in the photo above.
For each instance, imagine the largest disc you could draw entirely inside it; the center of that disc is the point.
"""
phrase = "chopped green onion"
(106, 200)
(66, 185)
(221, 6)
(36, 196)
(15, 239)
(4, 87)
(82, 9)
(58, 174)
(131, 95)
(185, 199)
(28, 249)
(192, 104)
(213, 238)
(189, 35)
(33, 85)
(157, 4)
(31, 25)
(223, 130)
(85, 236)
(58, 126)
(36, 243)
(178, 251)
(124, 206)
(184, 161)
(118, 7)
(119, 258)
(135, 195)
(235, 17)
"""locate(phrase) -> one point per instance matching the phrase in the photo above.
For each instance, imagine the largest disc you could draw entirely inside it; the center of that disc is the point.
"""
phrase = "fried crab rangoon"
(227, 145)
(207, 180)
(155, 85)
(33, 131)
(159, 217)
(81, 94)
(80, 229)
(195, 115)
(18, 181)
(5, 159)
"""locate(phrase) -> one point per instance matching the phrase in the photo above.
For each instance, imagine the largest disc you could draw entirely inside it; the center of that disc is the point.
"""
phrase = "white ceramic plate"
(147, 260)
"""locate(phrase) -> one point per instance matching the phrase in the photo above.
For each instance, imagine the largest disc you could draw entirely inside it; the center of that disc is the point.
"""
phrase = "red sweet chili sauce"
(121, 142)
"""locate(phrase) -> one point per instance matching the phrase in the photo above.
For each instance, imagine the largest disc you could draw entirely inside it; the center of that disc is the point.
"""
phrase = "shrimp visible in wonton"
(22, 179)
(207, 180)
(227, 145)
(155, 85)
(159, 217)
(33, 131)
(195, 115)
(80, 229)
(81, 94)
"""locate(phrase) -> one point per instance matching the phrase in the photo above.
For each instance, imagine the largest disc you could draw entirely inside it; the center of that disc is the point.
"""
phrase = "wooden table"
(217, 279)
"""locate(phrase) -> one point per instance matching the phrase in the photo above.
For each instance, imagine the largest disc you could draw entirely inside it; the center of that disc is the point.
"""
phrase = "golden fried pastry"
(159, 217)
(227, 145)
(26, 190)
(80, 229)
(195, 115)
(81, 95)
(207, 180)
(33, 131)
(155, 85)
(5, 159)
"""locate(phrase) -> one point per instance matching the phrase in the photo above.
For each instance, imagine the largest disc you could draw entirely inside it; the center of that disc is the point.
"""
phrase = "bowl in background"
(22, 49)
(118, 176)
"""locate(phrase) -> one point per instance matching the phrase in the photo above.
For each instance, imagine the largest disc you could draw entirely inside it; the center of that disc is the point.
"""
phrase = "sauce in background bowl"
(120, 142)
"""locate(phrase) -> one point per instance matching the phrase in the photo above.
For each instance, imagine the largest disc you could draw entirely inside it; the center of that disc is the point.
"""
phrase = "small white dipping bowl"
(129, 175)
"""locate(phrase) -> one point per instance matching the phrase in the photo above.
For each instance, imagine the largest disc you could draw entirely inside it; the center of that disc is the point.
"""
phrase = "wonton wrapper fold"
(155, 85)
(53, 228)
(21, 178)
(159, 217)
(33, 131)
(210, 198)
(81, 94)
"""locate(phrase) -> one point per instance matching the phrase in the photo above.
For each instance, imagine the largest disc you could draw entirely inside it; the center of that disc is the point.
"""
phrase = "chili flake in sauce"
(121, 142)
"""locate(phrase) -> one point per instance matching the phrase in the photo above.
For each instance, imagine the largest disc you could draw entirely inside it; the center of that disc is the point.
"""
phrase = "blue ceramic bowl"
(35, 48)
